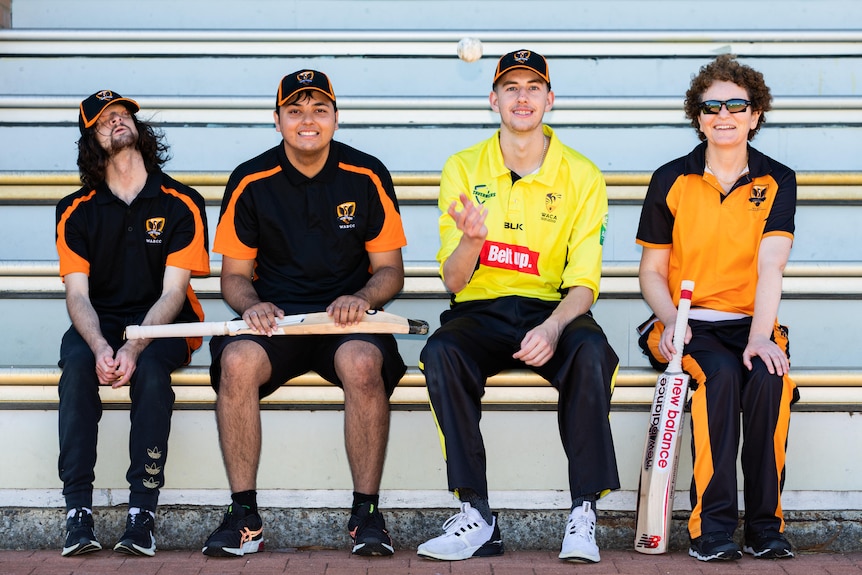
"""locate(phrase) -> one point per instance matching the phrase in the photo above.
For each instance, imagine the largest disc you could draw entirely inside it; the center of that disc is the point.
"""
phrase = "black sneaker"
(768, 544)
(368, 531)
(79, 534)
(138, 538)
(714, 547)
(240, 532)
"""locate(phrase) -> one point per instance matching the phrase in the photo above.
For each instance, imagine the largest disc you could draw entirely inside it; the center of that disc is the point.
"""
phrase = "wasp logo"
(154, 453)
(155, 227)
(346, 212)
(105, 95)
(153, 469)
(758, 195)
(306, 77)
(552, 201)
(522, 56)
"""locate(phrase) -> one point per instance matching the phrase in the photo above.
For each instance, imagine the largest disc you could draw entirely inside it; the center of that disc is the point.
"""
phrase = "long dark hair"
(93, 159)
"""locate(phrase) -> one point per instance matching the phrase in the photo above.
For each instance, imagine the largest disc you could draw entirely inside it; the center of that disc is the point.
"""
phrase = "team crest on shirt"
(553, 200)
(345, 213)
(155, 228)
(482, 194)
(758, 195)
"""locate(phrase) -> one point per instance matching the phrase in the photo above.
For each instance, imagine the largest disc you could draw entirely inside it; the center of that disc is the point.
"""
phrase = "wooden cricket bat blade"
(316, 323)
(663, 443)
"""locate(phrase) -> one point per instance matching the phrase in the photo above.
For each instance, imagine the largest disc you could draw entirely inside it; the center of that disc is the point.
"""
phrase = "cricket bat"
(664, 436)
(299, 324)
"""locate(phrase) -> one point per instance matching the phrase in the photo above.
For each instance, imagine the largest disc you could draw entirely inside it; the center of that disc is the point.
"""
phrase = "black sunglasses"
(734, 106)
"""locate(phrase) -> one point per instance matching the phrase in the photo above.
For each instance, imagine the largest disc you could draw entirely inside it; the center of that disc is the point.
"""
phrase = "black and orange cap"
(304, 80)
(523, 59)
(93, 106)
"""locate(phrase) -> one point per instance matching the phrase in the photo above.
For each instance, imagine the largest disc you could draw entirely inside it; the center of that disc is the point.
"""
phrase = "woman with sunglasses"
(723, 216)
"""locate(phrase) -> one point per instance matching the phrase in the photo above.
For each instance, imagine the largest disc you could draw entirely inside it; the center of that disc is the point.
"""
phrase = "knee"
(244, 365)
(359, 366)
(437, 348)
(78, 360)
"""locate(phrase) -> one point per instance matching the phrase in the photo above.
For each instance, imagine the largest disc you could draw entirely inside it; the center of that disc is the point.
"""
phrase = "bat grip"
(176, 330)
(681, 325)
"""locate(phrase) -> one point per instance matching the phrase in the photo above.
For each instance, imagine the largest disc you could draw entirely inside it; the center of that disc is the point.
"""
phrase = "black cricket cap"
(523, 59)
(94, 105)
(304, 80)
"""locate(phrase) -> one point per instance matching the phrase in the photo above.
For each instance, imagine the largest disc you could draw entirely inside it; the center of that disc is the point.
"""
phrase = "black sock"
(360, 498)
(577, 502)
(246, 499)
(478, 503)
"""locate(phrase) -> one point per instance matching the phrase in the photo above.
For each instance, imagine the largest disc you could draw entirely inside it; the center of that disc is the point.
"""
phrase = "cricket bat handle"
(687, 288)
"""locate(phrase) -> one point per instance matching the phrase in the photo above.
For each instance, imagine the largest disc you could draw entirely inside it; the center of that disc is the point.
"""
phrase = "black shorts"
(293, 355)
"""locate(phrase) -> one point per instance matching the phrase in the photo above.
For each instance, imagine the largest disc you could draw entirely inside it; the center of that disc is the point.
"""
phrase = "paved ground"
(328, 562)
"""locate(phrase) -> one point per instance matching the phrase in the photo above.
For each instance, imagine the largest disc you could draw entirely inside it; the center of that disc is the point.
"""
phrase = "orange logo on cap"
(522, 56)
(105, 95)
(305, 77)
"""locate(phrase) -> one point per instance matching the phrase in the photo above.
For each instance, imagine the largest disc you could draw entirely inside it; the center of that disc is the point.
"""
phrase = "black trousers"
(725, 387)
(80, 411)
(477, 340)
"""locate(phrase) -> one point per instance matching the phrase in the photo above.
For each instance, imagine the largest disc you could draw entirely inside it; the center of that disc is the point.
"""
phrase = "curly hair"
(725, 68)
(93, 159)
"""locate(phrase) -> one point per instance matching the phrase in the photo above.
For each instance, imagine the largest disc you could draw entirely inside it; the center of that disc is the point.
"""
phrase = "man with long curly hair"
(129, 241)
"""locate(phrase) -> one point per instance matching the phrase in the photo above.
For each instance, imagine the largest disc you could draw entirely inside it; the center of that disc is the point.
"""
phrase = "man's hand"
(125, 362)
(106, 367)
(348, 310)
(470, 221)
(539, 345)
(761, 346)
(263, 317)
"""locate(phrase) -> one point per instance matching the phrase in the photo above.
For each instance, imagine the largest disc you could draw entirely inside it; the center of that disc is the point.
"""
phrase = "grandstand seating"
(405, 97)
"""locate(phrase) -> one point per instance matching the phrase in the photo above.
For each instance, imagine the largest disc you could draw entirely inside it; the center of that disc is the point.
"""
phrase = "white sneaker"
(467, 535)
(579, 543)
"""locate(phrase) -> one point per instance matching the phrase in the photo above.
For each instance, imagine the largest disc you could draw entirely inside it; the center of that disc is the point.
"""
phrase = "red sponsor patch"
(509, 257)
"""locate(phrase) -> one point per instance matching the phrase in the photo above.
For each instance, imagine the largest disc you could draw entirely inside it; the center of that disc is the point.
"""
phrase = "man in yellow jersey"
(522, 224)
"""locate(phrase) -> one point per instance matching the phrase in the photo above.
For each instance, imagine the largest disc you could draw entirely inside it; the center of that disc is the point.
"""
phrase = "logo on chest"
(553, 200)
(482, 194)
(346, 213)
(757, 195)
(155, 229)
(509, 257)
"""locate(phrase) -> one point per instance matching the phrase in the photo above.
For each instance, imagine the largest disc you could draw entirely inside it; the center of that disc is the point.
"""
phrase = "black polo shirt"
(309, 237)
(124, 248)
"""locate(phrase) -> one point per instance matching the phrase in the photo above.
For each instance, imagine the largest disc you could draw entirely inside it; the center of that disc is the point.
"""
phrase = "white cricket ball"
(469, 49)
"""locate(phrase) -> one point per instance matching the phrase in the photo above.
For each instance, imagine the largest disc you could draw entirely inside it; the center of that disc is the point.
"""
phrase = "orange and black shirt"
(309, 237)
(124, 249)
(715, 239)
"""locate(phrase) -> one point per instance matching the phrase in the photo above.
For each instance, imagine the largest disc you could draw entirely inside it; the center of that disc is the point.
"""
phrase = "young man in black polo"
(128, 241)
(307, 226)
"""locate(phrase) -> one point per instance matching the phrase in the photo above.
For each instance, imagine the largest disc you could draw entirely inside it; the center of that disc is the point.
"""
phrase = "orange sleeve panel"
(391, 236)
(194, 256)
(226, 240)
(70, 261)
